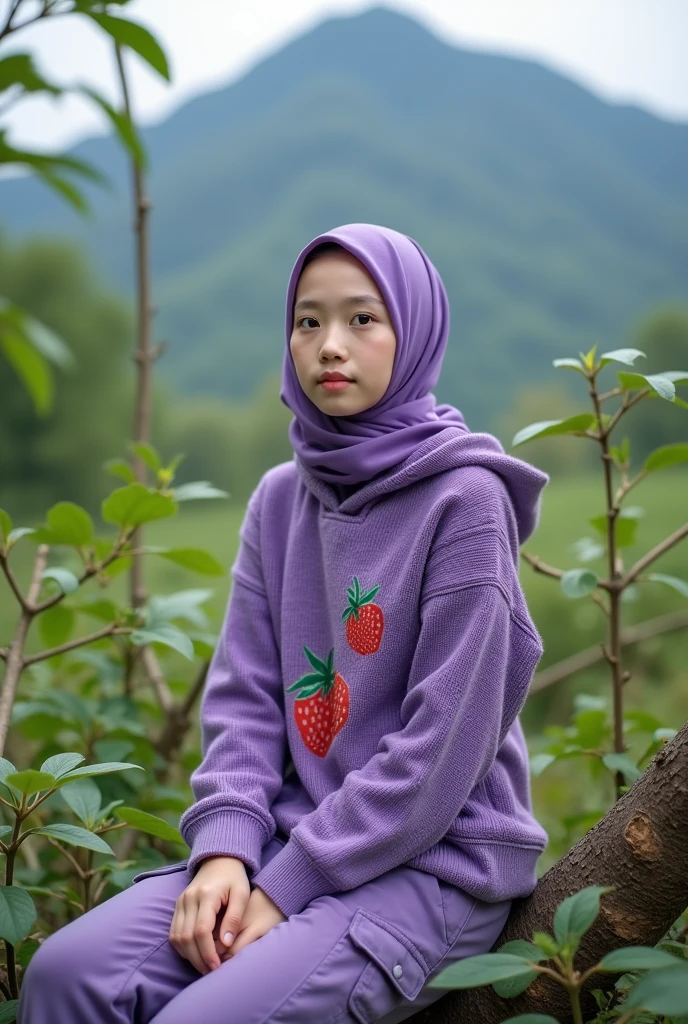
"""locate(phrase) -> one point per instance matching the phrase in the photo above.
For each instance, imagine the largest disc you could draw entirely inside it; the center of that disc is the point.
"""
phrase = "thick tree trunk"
(640, 847)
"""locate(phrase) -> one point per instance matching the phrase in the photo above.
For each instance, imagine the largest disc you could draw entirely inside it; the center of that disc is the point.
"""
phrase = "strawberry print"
(322, 707)
(364, 620)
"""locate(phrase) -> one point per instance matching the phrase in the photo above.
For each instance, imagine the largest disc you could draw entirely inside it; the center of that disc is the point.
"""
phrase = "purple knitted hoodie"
(376, 648)
(409, 749)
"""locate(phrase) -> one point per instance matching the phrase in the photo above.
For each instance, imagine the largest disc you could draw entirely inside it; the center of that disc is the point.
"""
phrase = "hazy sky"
(625, 50)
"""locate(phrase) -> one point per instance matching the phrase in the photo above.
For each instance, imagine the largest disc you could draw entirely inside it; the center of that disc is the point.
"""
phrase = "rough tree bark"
(639, 847)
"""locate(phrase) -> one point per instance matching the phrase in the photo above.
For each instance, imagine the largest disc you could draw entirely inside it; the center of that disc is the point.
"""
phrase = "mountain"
(555, 218)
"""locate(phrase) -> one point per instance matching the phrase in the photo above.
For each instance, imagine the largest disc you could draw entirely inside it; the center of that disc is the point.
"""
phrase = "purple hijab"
(352, 449)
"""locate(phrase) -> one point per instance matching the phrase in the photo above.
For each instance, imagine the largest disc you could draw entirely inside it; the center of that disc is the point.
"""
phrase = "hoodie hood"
(453, 448)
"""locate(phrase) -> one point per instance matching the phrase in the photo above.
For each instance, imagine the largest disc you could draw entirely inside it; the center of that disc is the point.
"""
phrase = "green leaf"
(136, 504)
(316, 662)
(532, 1018)
(625, 529)
(577, 913)
(30, 781)
(120, 468)
(73, 835)
(485, 969)
(87, 770)
(569, 364)
(148, 455)
(539, 762)
(196, 490)
(638, 958)
(520, 947)
(167, 634)
(192, 558)
(6, 768)
(61, 764)
(621, 355)
(150, 824)
(8, 1009)
(622, 763)
(56, 625)
(573, 425)
(137, 38)
(661, 991)
(508, 988)
(70, 524)
(578, 582)
(125, 129)
(667, 455)
(17, 913)
(5, 526)
(31, 368)
(65, 579)
(183, 604)
(662, 386)
(15, 535)
(671, 581)
(84, 798)
(19, 69)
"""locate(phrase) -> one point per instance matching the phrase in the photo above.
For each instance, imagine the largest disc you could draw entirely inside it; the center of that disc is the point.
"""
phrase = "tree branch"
(70, 645)
(542, 567)
(592, 655)
(16, 590)
(654, 554)
(15, 657)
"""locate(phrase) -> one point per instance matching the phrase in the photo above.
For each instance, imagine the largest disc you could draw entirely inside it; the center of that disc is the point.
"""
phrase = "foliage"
(27, 344)
(654, 979)
(81, 692)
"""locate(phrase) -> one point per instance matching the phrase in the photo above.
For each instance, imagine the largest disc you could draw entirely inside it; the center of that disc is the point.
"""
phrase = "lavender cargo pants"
(361, 956)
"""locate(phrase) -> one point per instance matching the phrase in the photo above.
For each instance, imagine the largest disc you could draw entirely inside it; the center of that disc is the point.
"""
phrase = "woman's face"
(341, 325)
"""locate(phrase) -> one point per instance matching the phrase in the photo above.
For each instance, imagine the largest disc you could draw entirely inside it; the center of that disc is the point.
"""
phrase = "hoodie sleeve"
(474, 660)
(243, 733)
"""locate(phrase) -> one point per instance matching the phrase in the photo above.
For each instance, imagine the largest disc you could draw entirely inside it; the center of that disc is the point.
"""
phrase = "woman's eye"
(367, 317)
(302, 321)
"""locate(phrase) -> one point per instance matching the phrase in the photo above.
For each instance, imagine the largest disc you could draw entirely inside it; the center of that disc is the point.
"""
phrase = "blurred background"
(537, 150)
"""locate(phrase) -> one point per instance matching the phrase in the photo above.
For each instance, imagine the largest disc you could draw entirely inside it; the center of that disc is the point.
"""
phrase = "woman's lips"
(335, 385)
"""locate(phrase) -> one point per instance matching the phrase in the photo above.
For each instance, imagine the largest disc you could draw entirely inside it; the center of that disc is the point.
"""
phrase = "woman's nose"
(333, 343)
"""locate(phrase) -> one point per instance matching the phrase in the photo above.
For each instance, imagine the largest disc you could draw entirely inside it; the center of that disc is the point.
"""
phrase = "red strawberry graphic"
(364, 621)
(322, 707)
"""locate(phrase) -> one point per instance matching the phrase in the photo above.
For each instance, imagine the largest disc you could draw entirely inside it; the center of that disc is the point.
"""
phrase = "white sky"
(624, 50)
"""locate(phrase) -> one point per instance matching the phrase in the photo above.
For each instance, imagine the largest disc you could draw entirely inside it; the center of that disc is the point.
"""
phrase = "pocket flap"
(391, 950)
(166, 869)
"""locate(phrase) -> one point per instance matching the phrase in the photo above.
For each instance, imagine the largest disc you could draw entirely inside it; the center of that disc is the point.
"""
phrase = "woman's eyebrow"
(351, 300)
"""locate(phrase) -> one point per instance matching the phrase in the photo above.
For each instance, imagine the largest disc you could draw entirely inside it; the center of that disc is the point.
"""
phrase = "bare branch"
(70, 645)
(14, 662)
(162, 690)
(11, 579)
(654, 554)
(592, 655)
(542, 567)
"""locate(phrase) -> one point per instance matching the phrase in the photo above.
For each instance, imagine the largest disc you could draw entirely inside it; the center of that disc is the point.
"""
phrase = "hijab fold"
(352, 449)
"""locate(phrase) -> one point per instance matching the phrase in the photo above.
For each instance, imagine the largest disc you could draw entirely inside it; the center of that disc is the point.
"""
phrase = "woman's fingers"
(203, 930)
(234, 914)
(244, 938)
(185, 932)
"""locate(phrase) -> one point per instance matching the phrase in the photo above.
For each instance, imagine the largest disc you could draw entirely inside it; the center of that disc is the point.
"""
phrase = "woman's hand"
(260, 916)
(194, 931)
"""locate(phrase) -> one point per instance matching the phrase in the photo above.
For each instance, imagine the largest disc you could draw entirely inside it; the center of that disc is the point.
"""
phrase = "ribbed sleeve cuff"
(225, 833)
(292, 880)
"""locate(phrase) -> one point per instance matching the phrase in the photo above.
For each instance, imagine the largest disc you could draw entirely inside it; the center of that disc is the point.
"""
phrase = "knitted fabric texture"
(364, 694)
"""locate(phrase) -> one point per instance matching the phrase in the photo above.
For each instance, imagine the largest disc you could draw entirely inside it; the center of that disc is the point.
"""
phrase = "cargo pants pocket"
(166, 869)
(395, 974)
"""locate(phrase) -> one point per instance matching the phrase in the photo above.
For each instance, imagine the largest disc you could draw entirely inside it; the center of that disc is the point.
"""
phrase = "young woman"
(362, 814)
